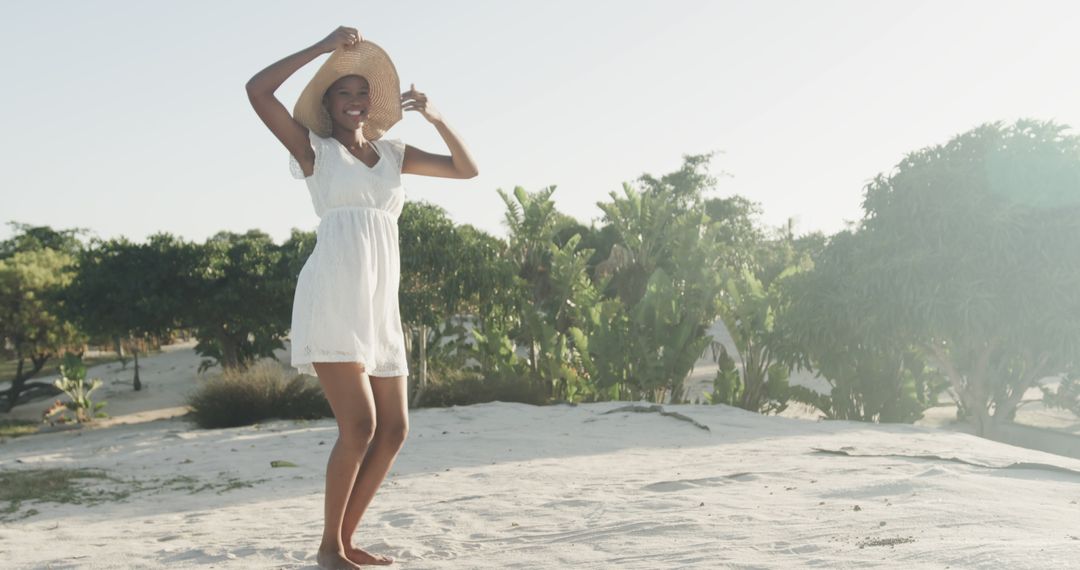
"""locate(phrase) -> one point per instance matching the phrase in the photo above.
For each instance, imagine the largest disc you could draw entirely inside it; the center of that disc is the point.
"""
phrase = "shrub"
(264, 390)
(465, 388)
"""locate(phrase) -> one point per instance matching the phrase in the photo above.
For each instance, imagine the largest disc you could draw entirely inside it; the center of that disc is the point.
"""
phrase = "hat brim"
(373, 64)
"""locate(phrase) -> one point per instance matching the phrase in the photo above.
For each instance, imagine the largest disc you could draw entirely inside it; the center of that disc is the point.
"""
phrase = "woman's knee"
(357, 435)
(392, 432)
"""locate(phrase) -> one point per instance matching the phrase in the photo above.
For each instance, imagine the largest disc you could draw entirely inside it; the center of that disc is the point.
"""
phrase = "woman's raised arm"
(261, 87)
(458, 164)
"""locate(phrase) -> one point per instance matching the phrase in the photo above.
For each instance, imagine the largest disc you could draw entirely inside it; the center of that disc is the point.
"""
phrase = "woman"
(346, 326)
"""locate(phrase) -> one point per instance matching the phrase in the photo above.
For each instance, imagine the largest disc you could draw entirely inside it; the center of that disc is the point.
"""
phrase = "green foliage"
(874, 386)
(661, 266)
(646, 225)
(245, 290)
(28, 238)
(431, 259)
(570, 290)
(31, 321)
(463, 388)
(243, 397)
(123, 290)
(486, 278)
(968, 253)
(73, 382)
(296, 250)
(551, 283)
(665, 271)
(869, 381)
(734, 221)
(495, 351)
(471, 282)
(753, 304)
(670, 327)
(684, 188)
(606, 351)
(533, 223)
(728, 386)
(29, 282)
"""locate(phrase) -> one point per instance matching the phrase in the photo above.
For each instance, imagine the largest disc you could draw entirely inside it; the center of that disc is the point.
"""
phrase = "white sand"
(506, 485)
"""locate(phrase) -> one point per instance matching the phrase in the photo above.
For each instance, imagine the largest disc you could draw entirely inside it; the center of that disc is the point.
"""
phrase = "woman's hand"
(413, 100)
(341, 37)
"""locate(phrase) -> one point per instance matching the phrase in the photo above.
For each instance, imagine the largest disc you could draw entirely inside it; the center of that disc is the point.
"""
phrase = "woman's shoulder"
(318, 146)
(394, 143)
(316, 139)
(396, 149)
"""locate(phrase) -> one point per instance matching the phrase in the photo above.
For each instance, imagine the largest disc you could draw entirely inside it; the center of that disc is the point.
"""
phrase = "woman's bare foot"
(361, 556)
(334, 559)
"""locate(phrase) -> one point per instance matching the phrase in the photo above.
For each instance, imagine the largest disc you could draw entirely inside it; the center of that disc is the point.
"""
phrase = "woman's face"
(348, 101)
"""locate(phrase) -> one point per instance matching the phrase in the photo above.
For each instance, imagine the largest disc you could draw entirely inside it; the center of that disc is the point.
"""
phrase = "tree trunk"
(422, 382)
(980, 420)
(119, 348)
(1005, 406)
(135, 352)
(18, 383)
(229, 353)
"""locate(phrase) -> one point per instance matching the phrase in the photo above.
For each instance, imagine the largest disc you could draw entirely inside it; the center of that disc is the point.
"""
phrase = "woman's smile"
(357, 115)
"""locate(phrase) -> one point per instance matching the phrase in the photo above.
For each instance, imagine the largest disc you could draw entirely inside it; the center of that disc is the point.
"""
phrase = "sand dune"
(505, 485)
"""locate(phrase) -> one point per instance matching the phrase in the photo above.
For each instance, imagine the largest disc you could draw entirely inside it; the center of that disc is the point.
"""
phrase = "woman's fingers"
(412, 92)
(351, 36)
(413, 100)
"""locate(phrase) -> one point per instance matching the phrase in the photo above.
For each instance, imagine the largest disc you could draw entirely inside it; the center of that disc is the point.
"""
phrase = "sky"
(130, 118)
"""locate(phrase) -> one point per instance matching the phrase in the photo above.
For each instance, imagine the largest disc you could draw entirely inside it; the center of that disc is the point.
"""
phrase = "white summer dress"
(346, 304)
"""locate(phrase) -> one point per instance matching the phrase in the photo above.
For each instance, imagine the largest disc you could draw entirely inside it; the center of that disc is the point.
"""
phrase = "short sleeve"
(294, 165)
(397, 150)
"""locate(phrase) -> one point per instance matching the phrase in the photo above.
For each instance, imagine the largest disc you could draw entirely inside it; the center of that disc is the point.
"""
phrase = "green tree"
(124, 290)
(968, 252)
(533, 223)
(242, 299)
(28, 237)
(30, 282)
(753, 305)
(296, 250)
(434, 268)
(665, 268)
(869, 381)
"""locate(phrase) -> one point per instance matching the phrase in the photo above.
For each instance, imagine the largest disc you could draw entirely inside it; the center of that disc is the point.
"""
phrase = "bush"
(264, 390)
(464, 388)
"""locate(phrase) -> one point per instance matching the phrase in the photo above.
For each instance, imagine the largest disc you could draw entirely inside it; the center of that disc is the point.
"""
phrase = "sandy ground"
(506, 485)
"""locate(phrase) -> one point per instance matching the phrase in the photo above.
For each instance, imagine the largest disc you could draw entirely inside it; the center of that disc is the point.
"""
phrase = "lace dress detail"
(346, 304)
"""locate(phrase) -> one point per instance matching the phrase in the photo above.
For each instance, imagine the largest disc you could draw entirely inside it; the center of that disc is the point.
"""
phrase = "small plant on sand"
(262, 391)
(73, 382)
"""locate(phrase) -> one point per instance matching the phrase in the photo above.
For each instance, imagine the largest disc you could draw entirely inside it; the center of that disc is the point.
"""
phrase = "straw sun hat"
(367, 60)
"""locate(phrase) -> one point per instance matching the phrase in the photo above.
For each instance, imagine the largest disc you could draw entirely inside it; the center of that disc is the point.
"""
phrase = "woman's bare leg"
(348, 390)
(392, 427)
